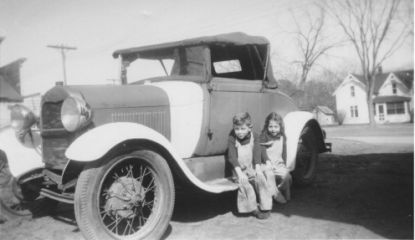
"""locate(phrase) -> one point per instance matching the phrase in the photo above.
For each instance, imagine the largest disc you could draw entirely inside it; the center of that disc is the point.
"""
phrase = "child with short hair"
(244, 153)
(277, 174)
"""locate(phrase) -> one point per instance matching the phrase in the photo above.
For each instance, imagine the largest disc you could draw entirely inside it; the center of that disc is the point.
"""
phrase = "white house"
(393, 98)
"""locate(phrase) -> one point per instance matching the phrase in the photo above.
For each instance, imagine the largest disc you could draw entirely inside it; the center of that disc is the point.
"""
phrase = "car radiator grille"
(55, 139)
(51, 116)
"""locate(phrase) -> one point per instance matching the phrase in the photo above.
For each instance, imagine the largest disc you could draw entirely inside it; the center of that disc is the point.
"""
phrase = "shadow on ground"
(374, 191)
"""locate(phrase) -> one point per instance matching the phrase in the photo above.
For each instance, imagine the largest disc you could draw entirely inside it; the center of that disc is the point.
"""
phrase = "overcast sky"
(98, 27)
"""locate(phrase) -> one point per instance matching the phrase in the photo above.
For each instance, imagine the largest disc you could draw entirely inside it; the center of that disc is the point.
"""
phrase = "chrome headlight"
(75, 113)
(21, 117)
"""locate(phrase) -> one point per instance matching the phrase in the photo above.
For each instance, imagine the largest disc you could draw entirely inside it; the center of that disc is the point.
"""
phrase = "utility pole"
(63, 48)
(114, 81)
(1, 40)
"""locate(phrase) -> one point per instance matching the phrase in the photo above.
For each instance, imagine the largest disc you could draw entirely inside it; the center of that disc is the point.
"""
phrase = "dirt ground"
(362, 190)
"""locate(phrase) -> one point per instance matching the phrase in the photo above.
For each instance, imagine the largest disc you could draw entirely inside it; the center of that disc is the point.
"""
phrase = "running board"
(224, 183)
(208, 168)
(213, 171)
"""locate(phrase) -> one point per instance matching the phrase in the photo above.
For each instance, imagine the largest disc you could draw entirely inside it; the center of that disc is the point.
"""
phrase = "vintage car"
(119, 152)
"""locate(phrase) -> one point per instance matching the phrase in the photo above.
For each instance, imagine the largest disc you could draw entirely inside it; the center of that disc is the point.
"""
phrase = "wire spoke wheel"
(129, 197)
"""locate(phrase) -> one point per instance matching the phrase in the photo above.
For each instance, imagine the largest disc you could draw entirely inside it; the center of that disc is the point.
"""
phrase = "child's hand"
(243, 179)
(258, 170)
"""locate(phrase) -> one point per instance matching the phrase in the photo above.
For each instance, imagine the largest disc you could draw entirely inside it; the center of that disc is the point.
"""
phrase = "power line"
(62, 49)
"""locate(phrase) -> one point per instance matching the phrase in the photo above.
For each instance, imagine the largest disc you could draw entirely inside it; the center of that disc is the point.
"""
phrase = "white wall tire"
(128, 197)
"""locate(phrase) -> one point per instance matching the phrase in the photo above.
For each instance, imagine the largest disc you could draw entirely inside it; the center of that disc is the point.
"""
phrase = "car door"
(235, 87)
(228, 97)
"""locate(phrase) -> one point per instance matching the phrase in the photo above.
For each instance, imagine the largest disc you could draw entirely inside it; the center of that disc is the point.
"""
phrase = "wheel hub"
(124, 195)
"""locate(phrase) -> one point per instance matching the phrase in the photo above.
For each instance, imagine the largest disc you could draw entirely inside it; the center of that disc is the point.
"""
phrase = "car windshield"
(180, 61)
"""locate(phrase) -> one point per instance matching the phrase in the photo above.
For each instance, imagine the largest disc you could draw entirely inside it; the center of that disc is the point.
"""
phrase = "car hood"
(168, 93)
(111, 96)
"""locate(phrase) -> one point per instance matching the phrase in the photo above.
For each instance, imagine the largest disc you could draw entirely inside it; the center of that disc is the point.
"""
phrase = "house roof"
(406, 76)
(8, 93)
(325, 110)
(10, 81)
(380, 79)
(390, 99)
(235, 38)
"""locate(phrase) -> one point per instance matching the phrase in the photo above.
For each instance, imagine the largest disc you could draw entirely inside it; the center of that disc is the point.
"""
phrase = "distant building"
(392, 99)
(33, 101)
(324, 115)
(9, 89)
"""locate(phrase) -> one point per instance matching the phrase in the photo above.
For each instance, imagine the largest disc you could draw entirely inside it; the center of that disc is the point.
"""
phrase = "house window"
(395, 108)
(381, 112)
(394, 88)
(354, 111)
(352, 91)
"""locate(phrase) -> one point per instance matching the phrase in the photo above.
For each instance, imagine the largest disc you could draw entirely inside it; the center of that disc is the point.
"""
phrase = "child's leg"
(246, 198)
(285, 180)
(270, 178)
(264, 193)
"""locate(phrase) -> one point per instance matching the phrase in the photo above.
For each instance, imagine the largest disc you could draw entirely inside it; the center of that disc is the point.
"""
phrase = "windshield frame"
(159, 55)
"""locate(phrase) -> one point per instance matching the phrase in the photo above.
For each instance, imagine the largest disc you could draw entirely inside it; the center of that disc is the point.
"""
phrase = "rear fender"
(294, 123)
(22, 156)
(96, 143)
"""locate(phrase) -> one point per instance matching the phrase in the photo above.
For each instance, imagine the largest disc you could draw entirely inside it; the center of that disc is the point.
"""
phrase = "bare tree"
(311, 42)
(315, 93)
(374, 29)
(341, 115)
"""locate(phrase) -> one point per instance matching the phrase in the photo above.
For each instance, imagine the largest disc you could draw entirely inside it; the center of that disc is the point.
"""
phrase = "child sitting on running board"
(245, 157)
(277, 174)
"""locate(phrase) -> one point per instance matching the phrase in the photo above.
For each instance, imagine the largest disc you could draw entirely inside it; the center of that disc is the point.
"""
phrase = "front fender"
(22, 157)
(294, 124)
(94, 144)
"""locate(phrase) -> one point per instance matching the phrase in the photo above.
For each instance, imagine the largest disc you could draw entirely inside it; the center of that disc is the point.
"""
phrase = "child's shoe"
(279, 198)
(265, 214)
(261, 214)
